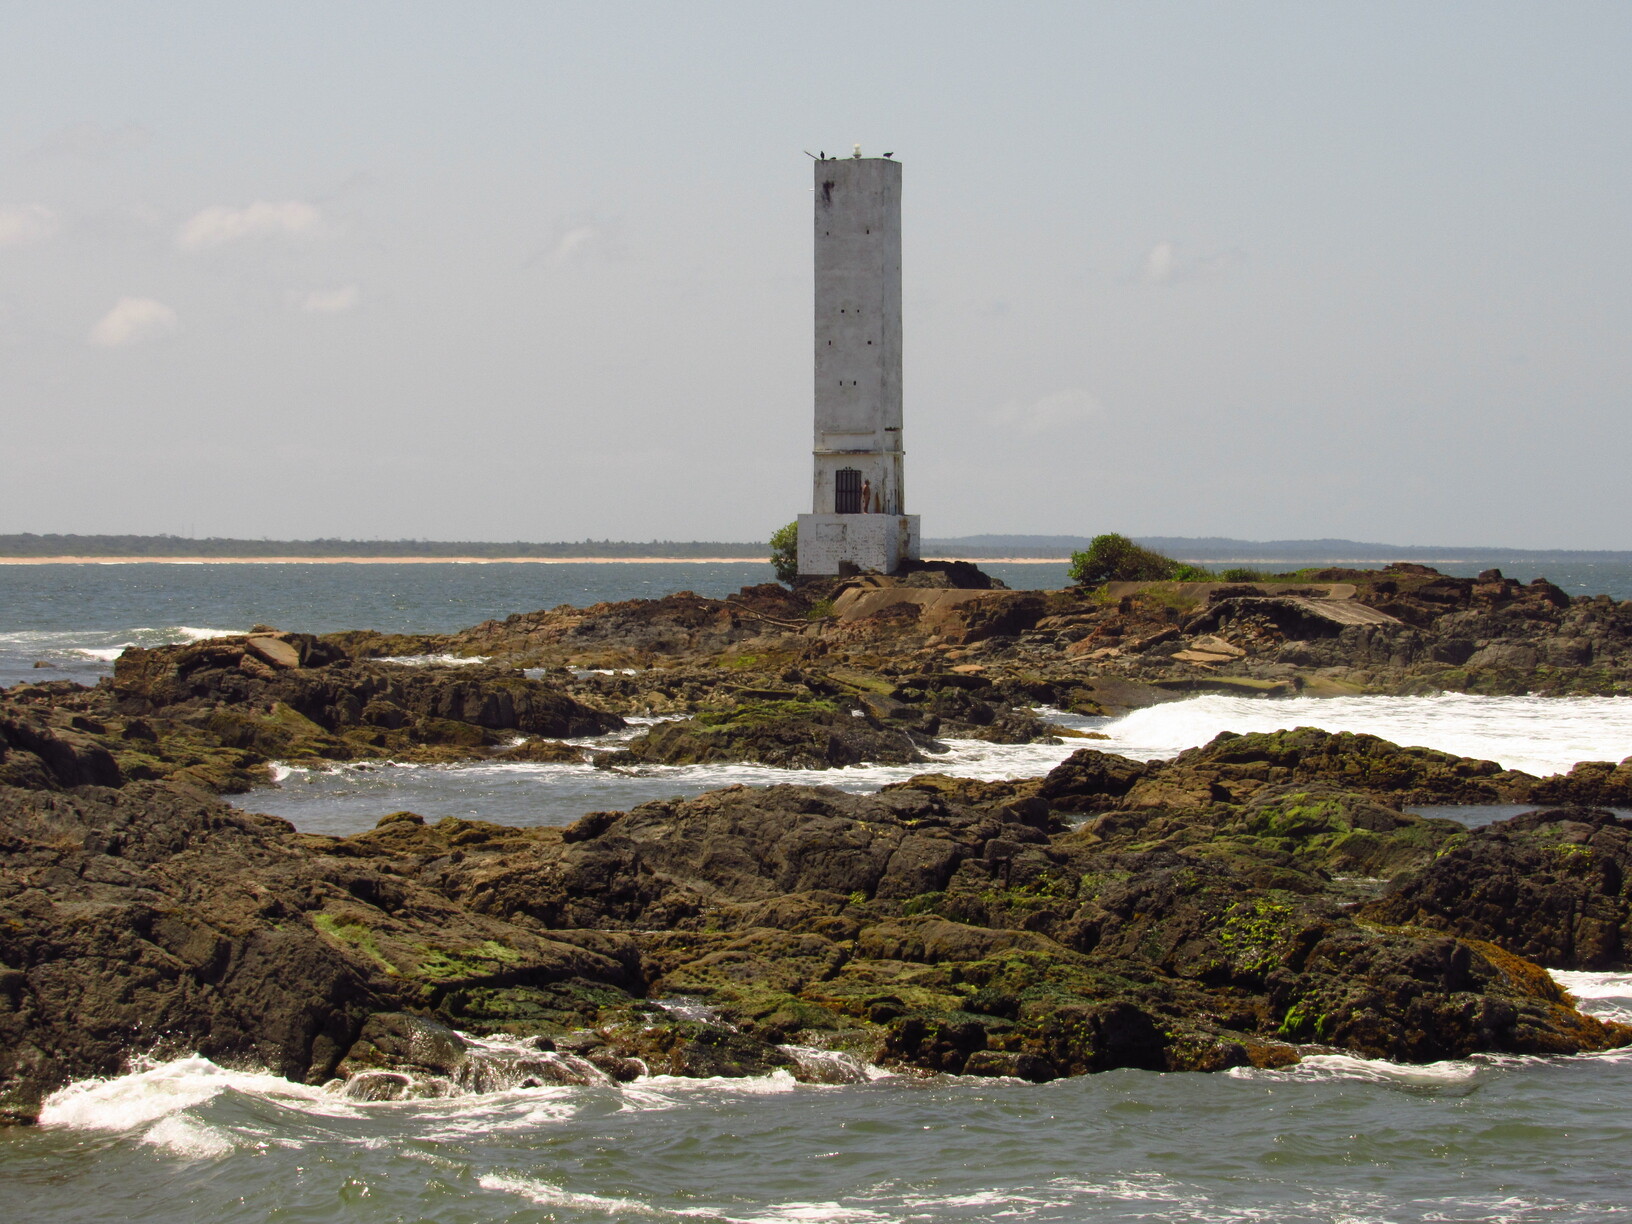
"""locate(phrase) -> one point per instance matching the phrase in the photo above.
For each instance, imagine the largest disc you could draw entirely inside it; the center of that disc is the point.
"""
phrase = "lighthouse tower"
(858, 520)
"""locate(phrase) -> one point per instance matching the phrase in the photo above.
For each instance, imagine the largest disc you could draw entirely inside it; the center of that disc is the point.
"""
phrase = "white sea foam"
(103, 645)
(189, 634)
(549, 1195)
(1540, 735)
(155, 1101)
(833, 1066)
(1584, 985)
(828, 1212)
(155, 1090)
(186, 1137)
(1607, 996)
(1327, 1067)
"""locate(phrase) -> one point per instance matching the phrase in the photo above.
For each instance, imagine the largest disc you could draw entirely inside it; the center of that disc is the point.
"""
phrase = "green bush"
(1115, 558)
(1242, 574)
(785, 552)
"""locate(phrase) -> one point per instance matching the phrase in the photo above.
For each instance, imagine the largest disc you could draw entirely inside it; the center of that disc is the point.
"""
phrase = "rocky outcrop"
(46, 748)
(154, 919)
(316, 682)
(1550, 886)
(943, 924)
(789, 734)
(213, 713)
(639, 632)
(1255, 898)
(1235, 768)
(771, 676)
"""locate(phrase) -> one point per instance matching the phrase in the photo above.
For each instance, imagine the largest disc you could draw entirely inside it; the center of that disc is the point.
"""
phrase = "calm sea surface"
(1335, 1139)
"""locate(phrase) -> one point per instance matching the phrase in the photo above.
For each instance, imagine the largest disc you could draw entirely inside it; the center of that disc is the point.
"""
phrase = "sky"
(542, 271)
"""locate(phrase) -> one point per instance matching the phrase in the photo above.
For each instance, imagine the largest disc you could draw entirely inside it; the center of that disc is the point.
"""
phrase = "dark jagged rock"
(1090, 780)
(943, 924)
(1550, 886)
(791, 734)
(43, 748)
(974, 929)
(1233, 767)
(1201, 915)
(323, 686)
(954, 575)
(215, 712)
(154, 919)
(1589, 782)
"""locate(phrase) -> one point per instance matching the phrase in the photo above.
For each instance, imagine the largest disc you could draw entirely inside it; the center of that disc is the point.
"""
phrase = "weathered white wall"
(858, 368)
(867, 541)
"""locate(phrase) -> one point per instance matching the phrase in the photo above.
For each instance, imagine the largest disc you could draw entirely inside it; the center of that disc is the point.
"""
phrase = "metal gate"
(847, 491)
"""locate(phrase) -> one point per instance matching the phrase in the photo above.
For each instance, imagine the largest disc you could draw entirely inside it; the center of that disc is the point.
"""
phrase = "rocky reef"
(869, 669)
(1254, 900)
(214, 713)
(1251, 900)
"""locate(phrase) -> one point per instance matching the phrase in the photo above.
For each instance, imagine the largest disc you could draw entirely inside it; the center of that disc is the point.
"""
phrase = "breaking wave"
(1540, 735)
(104, 646)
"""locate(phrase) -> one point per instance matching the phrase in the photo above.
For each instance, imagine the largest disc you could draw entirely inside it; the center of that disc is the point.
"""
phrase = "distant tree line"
(1211, 549)
(28, 544)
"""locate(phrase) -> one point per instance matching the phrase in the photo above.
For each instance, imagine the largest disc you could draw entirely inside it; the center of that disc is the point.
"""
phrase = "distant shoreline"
(362, 560)
(1302, 563)
(460, 560)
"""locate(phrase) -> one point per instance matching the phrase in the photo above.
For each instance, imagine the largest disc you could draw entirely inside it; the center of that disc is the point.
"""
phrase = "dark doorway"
(847, 491)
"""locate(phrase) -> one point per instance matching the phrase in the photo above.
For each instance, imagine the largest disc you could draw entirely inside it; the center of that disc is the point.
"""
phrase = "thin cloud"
(575, 244)
(579, 241)
(1167, 264)
(133, 321)
(1159, 265)
(219, 225)
(29, 224)
(328, 301)
(1052, 413)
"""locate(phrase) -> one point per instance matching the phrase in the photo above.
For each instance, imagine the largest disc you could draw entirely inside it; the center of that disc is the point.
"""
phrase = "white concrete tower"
(859, 519)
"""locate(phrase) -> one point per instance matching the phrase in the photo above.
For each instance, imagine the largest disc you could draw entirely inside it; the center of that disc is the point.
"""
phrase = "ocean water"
(1337, 1140)
(77, 617)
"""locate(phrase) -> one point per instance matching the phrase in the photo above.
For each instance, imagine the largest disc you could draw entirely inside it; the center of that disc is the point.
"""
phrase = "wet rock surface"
(1551, 886)
(790, 734)
(214, 713)
(838, 674)
(940, 925)
(1255, 898)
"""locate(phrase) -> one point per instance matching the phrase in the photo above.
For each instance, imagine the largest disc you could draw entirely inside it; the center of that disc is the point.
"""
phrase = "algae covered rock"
(790, 734)
(154, 919)
(215, 712)
(1549, 886)
(1201, 916)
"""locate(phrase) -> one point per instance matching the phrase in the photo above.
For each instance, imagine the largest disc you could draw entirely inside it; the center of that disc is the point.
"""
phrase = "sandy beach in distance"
(460, 560)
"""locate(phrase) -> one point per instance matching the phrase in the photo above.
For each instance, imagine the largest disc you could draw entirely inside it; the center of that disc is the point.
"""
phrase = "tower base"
(831, 544)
